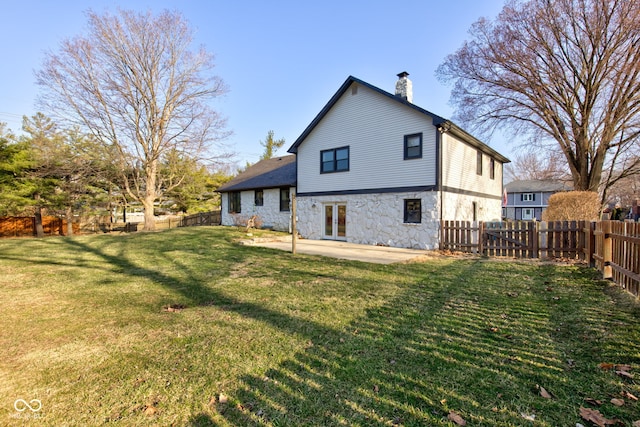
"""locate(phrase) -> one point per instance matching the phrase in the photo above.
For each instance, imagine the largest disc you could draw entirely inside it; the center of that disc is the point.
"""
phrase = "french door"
(335, 221)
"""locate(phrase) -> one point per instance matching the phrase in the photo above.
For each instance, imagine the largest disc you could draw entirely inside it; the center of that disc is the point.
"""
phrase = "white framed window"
(527, 197)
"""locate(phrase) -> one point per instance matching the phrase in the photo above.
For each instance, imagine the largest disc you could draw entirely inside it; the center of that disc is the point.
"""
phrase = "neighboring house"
(527, 199)
(264, 189)
(374, 168)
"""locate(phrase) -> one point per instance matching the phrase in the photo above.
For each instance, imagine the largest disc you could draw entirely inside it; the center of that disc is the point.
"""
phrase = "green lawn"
(152, 328)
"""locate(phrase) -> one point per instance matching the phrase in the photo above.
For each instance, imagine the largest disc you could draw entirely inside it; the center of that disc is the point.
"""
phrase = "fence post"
(607, 250)
(480, 237)
(533, 238)
(543, 246)
(589, 242)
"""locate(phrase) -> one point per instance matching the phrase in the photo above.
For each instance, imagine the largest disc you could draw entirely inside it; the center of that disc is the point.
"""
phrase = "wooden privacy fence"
(203, 218)
(23, 226)
(617, 253)
(611, 246)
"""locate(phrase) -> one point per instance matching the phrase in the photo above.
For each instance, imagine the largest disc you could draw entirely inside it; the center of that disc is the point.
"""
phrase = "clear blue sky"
(282, 60)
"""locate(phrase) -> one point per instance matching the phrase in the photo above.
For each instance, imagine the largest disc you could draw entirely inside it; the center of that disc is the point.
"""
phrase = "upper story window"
(413, 146)
(259, 198)
(479, 162)
(334, 160)
(234, 202)
(492, 169)
(285, 200)
(527, 197)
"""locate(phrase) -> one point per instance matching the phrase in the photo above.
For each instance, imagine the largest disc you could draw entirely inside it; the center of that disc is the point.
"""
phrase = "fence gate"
(512, 239)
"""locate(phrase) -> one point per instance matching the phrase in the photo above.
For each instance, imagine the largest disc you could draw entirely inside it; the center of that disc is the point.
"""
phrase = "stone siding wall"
(374, 219)
(269, 213)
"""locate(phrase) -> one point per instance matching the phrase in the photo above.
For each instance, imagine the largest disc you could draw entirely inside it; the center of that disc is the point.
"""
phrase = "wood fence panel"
(625, 241)
(512, 239)
(459, 236)
(612, 247)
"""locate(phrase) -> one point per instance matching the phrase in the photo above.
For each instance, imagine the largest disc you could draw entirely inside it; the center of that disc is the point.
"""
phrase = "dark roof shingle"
(537, 185)
(270, 173)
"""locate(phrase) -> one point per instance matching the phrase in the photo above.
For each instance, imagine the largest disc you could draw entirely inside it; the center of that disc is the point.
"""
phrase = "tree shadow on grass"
(435, 349)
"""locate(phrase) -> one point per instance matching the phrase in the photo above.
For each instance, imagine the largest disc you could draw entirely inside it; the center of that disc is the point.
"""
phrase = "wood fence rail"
(612, 247)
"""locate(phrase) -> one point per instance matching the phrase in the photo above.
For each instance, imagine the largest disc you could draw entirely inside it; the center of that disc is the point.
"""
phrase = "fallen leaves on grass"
(624, 374)
(528, 417)
(617, 402)
(595, 417)
(174, 308)
(592, 401)
(544, 393)
(453, 416)
(628, 395)
(614, 366)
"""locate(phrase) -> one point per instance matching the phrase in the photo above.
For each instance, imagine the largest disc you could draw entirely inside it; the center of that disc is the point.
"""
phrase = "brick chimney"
(404, 87)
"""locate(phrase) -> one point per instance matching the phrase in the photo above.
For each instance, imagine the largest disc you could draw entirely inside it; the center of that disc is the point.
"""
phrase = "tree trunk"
(38, 219)
(150, 196)
(69, 215)
(149, 218)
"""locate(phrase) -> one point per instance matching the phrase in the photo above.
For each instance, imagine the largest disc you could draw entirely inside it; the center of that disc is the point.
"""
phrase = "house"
(375, 168)
(263, 189)
(528, 199)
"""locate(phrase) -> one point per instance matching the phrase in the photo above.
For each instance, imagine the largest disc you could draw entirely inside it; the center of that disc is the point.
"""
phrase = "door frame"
(335, 233)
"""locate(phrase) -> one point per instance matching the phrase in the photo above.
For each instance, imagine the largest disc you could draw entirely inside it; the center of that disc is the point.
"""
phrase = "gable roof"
(537, 185)
(440, 122)
(270, 173)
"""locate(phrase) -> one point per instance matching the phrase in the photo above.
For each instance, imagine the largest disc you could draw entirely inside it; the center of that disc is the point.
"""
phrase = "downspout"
(442, 128)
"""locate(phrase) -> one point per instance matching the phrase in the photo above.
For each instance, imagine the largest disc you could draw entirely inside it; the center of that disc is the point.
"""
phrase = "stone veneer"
(269, 213)
(374, 219)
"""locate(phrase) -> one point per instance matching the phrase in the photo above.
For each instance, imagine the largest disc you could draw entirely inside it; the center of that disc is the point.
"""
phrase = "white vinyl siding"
(373, 127)
(460, 166)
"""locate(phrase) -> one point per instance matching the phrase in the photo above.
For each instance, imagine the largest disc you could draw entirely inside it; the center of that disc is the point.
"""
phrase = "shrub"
(573, 206)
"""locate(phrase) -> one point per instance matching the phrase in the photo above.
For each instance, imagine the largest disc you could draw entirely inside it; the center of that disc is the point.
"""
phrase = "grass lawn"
(185, 327)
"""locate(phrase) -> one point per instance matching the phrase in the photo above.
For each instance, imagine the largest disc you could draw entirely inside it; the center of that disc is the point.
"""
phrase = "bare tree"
(135, 84)
(538, 165)
(564, 72)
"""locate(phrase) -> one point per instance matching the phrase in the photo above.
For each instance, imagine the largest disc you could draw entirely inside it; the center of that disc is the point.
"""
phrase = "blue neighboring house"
(526, 200)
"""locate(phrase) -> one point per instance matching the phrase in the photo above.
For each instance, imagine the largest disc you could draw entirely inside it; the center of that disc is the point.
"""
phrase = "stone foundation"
(375, 219)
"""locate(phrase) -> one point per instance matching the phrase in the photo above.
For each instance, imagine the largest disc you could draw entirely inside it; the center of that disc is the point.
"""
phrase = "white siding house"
(263, 190)
(374, 168)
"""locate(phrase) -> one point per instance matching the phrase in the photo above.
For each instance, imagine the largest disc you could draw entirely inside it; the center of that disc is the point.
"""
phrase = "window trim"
(408, 213)
(479, 162)
(492, 168)
(406, 146)
(288, 199)
(258, 201)
(335, 160)
(234, 198)
(527, 197)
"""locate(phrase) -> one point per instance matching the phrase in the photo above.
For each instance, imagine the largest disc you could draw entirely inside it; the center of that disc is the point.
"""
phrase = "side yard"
(185, 327)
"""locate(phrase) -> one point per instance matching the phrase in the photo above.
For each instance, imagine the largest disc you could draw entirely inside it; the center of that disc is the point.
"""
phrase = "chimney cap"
(403, 74)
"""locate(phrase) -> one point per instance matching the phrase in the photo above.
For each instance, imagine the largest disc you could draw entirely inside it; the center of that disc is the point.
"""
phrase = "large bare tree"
(136, 83)
(563, 72)
(537, 165)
